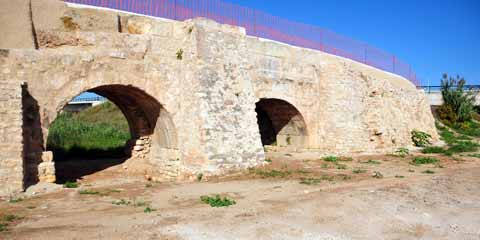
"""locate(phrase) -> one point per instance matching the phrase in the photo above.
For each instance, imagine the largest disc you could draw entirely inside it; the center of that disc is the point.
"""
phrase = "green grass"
(15, 200)
(358, 171)
(69, 184)
(10, 218)
(3, 227)
(330, 159)
(102, 128)
(475, 155)
(424, 160)
(217, 201)
(432, 149)
(341, 166)
(272, 173)
(149, 210)
(371, 162)
(316, 181)
(121, 202)
(88, 192)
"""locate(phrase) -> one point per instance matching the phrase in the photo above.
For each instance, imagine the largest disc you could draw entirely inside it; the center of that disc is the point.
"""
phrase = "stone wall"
(189, 91)
(11, 163)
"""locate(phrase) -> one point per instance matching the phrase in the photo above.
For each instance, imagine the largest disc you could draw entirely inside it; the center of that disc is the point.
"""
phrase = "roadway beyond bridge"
(200, 97)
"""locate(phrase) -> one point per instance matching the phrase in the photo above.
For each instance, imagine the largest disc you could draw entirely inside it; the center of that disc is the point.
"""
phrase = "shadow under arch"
(147, 119)
(280, 123)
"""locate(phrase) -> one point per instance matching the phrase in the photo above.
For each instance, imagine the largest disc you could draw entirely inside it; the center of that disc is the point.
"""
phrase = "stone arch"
(280, 124)
(151, 125)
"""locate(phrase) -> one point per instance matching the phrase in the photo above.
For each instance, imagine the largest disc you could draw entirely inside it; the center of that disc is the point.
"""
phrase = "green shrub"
(458, 102)
(217, 201)
(3, 227)
(424, 160)
(420, 139)
(149, 210)
(402, 152)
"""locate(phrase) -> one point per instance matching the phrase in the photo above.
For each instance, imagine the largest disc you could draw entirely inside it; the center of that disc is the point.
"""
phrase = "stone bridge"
(200, 97)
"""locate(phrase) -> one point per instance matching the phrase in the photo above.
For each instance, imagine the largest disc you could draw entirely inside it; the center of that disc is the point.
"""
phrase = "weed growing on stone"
(268, 160)
(148, 185)
(330, 159)
(217, 201)
(411, 170)
(399, 176)
(179, 54)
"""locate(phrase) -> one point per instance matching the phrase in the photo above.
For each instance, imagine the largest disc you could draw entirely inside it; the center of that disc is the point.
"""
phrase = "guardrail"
(88, 99)
(263, 25)
(434, 89)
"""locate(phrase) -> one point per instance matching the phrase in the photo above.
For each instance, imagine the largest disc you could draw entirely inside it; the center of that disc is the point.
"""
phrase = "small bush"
(121, 202)
(358, 171)
(272, 173)
(330, 159)
(459, 102)
(315, 181)
(420, 139)
(371, 162)
(88, 192)
(341, 166)
(402, 152)
(3, 227)
(424, 160)
(217, 201)
(433, 150)
(149, 210)
(69, 184)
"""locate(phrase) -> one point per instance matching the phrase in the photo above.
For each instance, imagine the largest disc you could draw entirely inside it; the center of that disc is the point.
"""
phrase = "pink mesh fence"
(263, 25)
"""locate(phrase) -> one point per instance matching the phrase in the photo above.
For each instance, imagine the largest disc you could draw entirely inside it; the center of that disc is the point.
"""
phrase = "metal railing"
(435, 89)
(88, 99)
(263, 25)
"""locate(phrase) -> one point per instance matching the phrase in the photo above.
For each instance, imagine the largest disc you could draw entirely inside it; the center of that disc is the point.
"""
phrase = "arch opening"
(124, 126)
(280, 124)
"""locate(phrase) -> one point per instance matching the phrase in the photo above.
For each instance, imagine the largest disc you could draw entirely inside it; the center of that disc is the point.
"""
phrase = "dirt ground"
(295, 197)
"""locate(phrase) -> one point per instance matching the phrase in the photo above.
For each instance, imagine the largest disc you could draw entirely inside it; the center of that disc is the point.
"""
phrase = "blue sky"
(433, 36)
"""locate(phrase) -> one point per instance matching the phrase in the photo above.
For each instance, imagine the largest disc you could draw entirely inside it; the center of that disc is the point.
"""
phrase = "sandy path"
(444, 205)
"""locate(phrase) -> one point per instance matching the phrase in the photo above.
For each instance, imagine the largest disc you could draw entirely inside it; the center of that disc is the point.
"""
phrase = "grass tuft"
(217, 201)
(424, 160)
